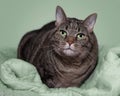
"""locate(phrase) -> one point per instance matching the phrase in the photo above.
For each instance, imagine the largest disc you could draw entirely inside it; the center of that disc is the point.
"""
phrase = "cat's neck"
(68, 60)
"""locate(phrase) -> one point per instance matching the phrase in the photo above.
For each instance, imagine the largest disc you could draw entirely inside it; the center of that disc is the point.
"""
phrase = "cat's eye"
(81, 36)
(63, 33)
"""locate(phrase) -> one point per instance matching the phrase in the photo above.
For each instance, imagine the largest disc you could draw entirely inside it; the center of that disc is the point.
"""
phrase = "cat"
(64, 51)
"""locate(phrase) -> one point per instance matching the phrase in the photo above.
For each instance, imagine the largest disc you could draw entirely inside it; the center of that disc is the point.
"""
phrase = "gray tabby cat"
(64, 51)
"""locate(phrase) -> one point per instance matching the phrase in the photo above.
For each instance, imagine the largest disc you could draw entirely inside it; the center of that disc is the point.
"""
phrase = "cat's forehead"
(73, 24)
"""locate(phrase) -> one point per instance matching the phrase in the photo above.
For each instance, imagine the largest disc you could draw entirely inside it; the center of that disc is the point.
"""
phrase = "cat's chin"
(70, 52)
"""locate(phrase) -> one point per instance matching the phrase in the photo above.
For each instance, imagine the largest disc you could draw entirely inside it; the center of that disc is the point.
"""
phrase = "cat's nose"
(70, 40)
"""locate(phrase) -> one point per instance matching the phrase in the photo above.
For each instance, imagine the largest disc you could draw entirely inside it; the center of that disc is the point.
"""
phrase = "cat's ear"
(90, 21)
(60, 16)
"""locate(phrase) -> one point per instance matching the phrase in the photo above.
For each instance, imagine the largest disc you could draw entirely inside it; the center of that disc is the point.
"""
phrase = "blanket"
(20, 78)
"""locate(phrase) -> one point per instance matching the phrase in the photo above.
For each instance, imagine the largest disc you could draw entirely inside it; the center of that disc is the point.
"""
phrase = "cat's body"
(64, 51)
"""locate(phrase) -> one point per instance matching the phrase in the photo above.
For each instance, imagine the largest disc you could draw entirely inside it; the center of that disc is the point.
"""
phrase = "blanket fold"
(22, 77)
(18, 74)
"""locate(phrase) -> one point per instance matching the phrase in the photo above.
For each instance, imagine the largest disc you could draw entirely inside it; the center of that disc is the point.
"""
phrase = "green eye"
(63, 33)
(81, 36)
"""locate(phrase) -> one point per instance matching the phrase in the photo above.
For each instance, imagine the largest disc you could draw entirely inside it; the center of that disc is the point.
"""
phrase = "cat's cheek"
(76, 47)
(58, 50)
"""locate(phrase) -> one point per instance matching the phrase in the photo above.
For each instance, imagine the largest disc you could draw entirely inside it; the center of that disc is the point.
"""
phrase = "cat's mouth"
(70, 52)
(69, 49)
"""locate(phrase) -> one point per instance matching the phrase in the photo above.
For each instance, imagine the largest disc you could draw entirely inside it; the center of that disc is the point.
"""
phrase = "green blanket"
(19, 78)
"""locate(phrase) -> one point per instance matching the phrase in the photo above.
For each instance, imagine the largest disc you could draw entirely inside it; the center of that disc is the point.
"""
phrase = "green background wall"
(20, 16)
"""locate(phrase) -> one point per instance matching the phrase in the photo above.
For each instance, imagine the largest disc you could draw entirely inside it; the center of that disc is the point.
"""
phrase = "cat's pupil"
(81, 35)
(63, 32)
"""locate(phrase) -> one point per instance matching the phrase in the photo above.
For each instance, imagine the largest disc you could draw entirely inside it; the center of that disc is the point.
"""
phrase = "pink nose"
(70, 40)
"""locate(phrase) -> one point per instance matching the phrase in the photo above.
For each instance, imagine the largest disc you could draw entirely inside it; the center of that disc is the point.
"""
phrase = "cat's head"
(74, 37)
